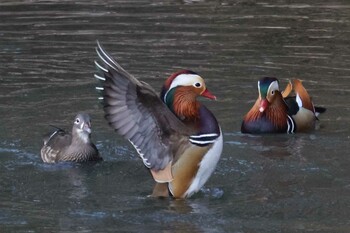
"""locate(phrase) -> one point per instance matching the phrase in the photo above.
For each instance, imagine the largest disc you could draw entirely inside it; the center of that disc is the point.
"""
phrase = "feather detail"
(171, 78)
(75, 146)
(275, 114)
(287, 90)
(303, 96)
(254, 113)
(161, 129)
(284, 112)
(164, 175)
(183, 169)
(185, 104)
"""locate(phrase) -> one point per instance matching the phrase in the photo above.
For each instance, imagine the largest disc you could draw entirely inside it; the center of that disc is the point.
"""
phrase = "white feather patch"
(145, 161)
(205, 135)
(298, 99)
(101, 67)
(99, 77)
(206, 167)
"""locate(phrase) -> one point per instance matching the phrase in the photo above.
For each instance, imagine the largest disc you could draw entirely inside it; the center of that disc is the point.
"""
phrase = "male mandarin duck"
(75, 147)
(279, 112)
(177, 137)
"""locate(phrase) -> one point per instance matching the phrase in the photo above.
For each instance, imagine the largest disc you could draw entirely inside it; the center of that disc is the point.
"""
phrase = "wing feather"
(136, 112)
(53, 146)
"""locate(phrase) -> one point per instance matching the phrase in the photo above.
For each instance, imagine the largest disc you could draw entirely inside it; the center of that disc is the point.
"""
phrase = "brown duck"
(75, 147)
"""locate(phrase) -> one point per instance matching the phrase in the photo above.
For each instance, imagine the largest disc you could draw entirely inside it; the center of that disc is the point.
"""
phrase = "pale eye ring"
(272, 92)
(198, 85)
(77, 121)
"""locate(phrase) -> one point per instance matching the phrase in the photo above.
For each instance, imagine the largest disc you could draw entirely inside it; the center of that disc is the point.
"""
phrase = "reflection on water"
(277, 147)
(270, 183)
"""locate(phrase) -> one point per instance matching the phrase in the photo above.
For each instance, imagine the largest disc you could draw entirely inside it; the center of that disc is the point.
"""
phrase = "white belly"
(206, 167)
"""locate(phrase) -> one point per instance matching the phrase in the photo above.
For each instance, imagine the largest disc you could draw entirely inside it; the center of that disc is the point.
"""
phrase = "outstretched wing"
(136, 112)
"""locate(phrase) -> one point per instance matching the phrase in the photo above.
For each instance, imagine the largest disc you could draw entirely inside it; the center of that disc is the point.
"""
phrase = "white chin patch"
(83, 136)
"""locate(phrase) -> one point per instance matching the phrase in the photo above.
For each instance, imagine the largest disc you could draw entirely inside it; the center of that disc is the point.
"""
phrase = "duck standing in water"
(74, 147)
(177, 137)
(277, 112)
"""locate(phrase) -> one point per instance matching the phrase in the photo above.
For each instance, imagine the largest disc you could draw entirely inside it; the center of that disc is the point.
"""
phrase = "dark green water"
(274, 183)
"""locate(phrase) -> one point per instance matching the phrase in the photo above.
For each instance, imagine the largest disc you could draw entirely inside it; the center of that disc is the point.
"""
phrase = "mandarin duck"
(74, 147)
(280, 112)
(177, 137)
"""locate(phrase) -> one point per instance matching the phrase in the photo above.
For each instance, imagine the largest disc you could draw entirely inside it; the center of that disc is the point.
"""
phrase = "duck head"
(82, 127)
(180, 92)
(268, 91)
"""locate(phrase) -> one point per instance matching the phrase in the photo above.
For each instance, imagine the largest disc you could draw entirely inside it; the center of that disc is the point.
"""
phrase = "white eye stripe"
(186, 80)
(273, 87)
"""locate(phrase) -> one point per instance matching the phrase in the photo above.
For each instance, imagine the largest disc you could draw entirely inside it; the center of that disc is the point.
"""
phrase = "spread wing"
(136, 112)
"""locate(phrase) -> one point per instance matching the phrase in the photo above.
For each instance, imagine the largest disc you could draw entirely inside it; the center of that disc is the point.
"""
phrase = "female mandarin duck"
(274, 112)
(178, 138)
(75, 147)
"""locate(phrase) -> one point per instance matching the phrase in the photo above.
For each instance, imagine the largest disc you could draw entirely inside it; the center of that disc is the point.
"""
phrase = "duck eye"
(197, 85)
(77, 121)
(272, 92)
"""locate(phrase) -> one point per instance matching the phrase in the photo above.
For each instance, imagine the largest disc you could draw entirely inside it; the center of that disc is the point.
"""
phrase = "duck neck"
(276, 113)
(183, 103)
(80, 137)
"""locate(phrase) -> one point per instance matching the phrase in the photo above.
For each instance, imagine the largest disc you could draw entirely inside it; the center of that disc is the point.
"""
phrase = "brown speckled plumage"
(75, 147)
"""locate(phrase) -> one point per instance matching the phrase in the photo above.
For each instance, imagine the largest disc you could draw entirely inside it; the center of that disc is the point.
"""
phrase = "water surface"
(271, 183)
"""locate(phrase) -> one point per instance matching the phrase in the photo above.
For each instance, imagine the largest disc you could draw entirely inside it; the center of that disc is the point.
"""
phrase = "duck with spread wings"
(177, 137)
